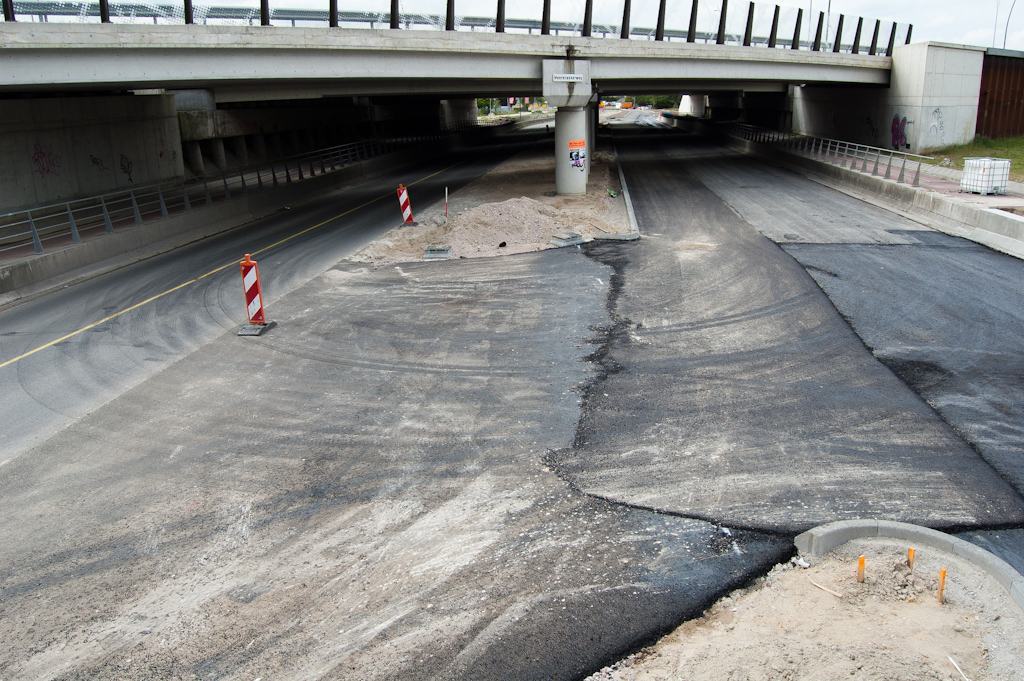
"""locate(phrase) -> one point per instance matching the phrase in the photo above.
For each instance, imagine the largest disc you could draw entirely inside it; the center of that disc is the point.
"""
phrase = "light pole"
(995, 24)
(1007, 27)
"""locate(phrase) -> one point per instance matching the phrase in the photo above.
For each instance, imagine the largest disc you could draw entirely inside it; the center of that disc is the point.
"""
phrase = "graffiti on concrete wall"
(97, 162)
(938, 127)
(126, 166)
(899, 132)
(872, 129)
(44, 161)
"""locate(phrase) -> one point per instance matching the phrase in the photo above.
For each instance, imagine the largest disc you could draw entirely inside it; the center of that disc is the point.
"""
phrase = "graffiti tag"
(938, 126)
(126, 166)
(45, 161)
(899, 132)
(98, 162)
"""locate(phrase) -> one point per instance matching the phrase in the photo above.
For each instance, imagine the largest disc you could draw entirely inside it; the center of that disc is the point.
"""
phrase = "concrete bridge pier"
(572, 150)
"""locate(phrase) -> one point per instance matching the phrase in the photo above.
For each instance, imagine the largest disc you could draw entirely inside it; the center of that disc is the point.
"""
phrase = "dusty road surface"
(501, 468)
(737, 393)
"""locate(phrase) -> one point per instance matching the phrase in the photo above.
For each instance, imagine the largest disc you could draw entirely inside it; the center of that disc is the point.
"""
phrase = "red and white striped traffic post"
(253, 298)
(403, 201)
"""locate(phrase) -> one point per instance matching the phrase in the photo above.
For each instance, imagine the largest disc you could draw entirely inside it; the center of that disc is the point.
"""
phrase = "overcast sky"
(972, 22)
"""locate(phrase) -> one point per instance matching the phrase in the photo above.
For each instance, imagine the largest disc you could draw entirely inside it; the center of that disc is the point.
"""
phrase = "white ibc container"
(985, 175)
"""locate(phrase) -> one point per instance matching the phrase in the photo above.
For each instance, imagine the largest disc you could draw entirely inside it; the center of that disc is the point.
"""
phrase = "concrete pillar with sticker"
(567, 85)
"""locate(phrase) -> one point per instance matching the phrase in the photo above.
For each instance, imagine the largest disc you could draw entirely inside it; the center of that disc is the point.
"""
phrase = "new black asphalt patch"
(736, 392)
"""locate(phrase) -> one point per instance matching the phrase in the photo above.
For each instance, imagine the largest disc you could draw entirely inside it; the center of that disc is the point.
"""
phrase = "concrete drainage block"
(255, 329)
(567, 239)
(437, 253)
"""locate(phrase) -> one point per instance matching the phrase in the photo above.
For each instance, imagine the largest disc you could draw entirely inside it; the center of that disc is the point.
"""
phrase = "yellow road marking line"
(211, 272)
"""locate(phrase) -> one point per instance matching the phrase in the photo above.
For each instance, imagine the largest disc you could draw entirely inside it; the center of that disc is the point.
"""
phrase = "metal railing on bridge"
(69, 222)
(706, 21)
(876, 160)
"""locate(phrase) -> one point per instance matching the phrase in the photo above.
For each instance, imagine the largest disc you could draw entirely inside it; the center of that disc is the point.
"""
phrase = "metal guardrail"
(837, 152)
(703, 25)
(70, 221)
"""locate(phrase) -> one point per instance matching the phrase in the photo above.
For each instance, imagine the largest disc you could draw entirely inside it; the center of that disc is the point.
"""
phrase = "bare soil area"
(509, 210)
(889, 627)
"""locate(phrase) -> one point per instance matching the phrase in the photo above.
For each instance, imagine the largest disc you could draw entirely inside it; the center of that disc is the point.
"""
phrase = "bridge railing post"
(659, 31)
(37, 243)
(892, 41)
(264, 12)
(545, 20)
(748, 33)
(796, 31)
(817, 34)
(332, 12)
(691, 33)
(838, 44)
(189, 15)
(499, 19)
(720, 40)
(624, 32)
(873, 50)
(855, 49)
(9, 10)
(75, 238)
(395, 14)
(774, 35)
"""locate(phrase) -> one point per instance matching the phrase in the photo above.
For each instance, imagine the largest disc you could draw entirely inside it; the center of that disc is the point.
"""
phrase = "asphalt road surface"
(45, 392)
(737, 392)
(512, 468)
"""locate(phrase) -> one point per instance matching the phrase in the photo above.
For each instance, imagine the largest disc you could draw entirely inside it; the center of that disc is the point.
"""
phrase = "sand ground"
(890, 627)
(509, 210)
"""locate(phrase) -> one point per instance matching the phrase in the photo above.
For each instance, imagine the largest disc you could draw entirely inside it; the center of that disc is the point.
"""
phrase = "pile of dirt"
(890, 627)
(508, 210)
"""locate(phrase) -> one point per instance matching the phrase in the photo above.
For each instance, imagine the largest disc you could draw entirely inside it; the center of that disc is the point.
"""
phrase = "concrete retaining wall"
(931, 102)
(57, 149)
(108, 252)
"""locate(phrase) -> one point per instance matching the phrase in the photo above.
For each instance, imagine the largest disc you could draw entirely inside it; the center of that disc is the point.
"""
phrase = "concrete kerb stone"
(634, 227)
(818, 541)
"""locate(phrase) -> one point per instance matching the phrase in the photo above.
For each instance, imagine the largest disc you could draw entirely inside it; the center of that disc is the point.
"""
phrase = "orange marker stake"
(860, 569)
(942, 585)
(910, 559)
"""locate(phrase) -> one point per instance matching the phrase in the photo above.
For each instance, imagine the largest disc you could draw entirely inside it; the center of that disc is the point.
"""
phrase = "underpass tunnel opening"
(223, 136)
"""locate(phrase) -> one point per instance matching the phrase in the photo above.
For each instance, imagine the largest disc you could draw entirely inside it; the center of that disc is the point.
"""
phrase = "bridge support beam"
(571, 150)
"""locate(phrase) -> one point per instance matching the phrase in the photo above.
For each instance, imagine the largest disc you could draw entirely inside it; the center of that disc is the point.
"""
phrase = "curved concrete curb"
(634, 233)
(822, 539)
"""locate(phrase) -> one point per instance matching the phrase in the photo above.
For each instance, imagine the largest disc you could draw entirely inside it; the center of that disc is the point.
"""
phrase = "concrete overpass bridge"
(226, 81)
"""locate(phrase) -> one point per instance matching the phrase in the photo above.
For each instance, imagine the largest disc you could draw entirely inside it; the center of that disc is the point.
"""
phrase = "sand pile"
(510, 205)
(890, 627)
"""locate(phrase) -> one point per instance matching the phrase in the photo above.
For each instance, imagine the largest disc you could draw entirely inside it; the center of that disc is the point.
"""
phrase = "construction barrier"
(403, 201)
(253, 295)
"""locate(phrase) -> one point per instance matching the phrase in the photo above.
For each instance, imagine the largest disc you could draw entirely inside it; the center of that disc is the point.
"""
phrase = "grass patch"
(1004, 147)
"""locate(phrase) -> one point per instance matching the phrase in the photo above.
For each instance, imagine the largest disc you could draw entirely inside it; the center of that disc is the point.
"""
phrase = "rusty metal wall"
(1001, 102)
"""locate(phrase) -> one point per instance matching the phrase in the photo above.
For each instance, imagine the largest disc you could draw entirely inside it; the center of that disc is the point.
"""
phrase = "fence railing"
(71, 221)
(709, 21)
(876, 160)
